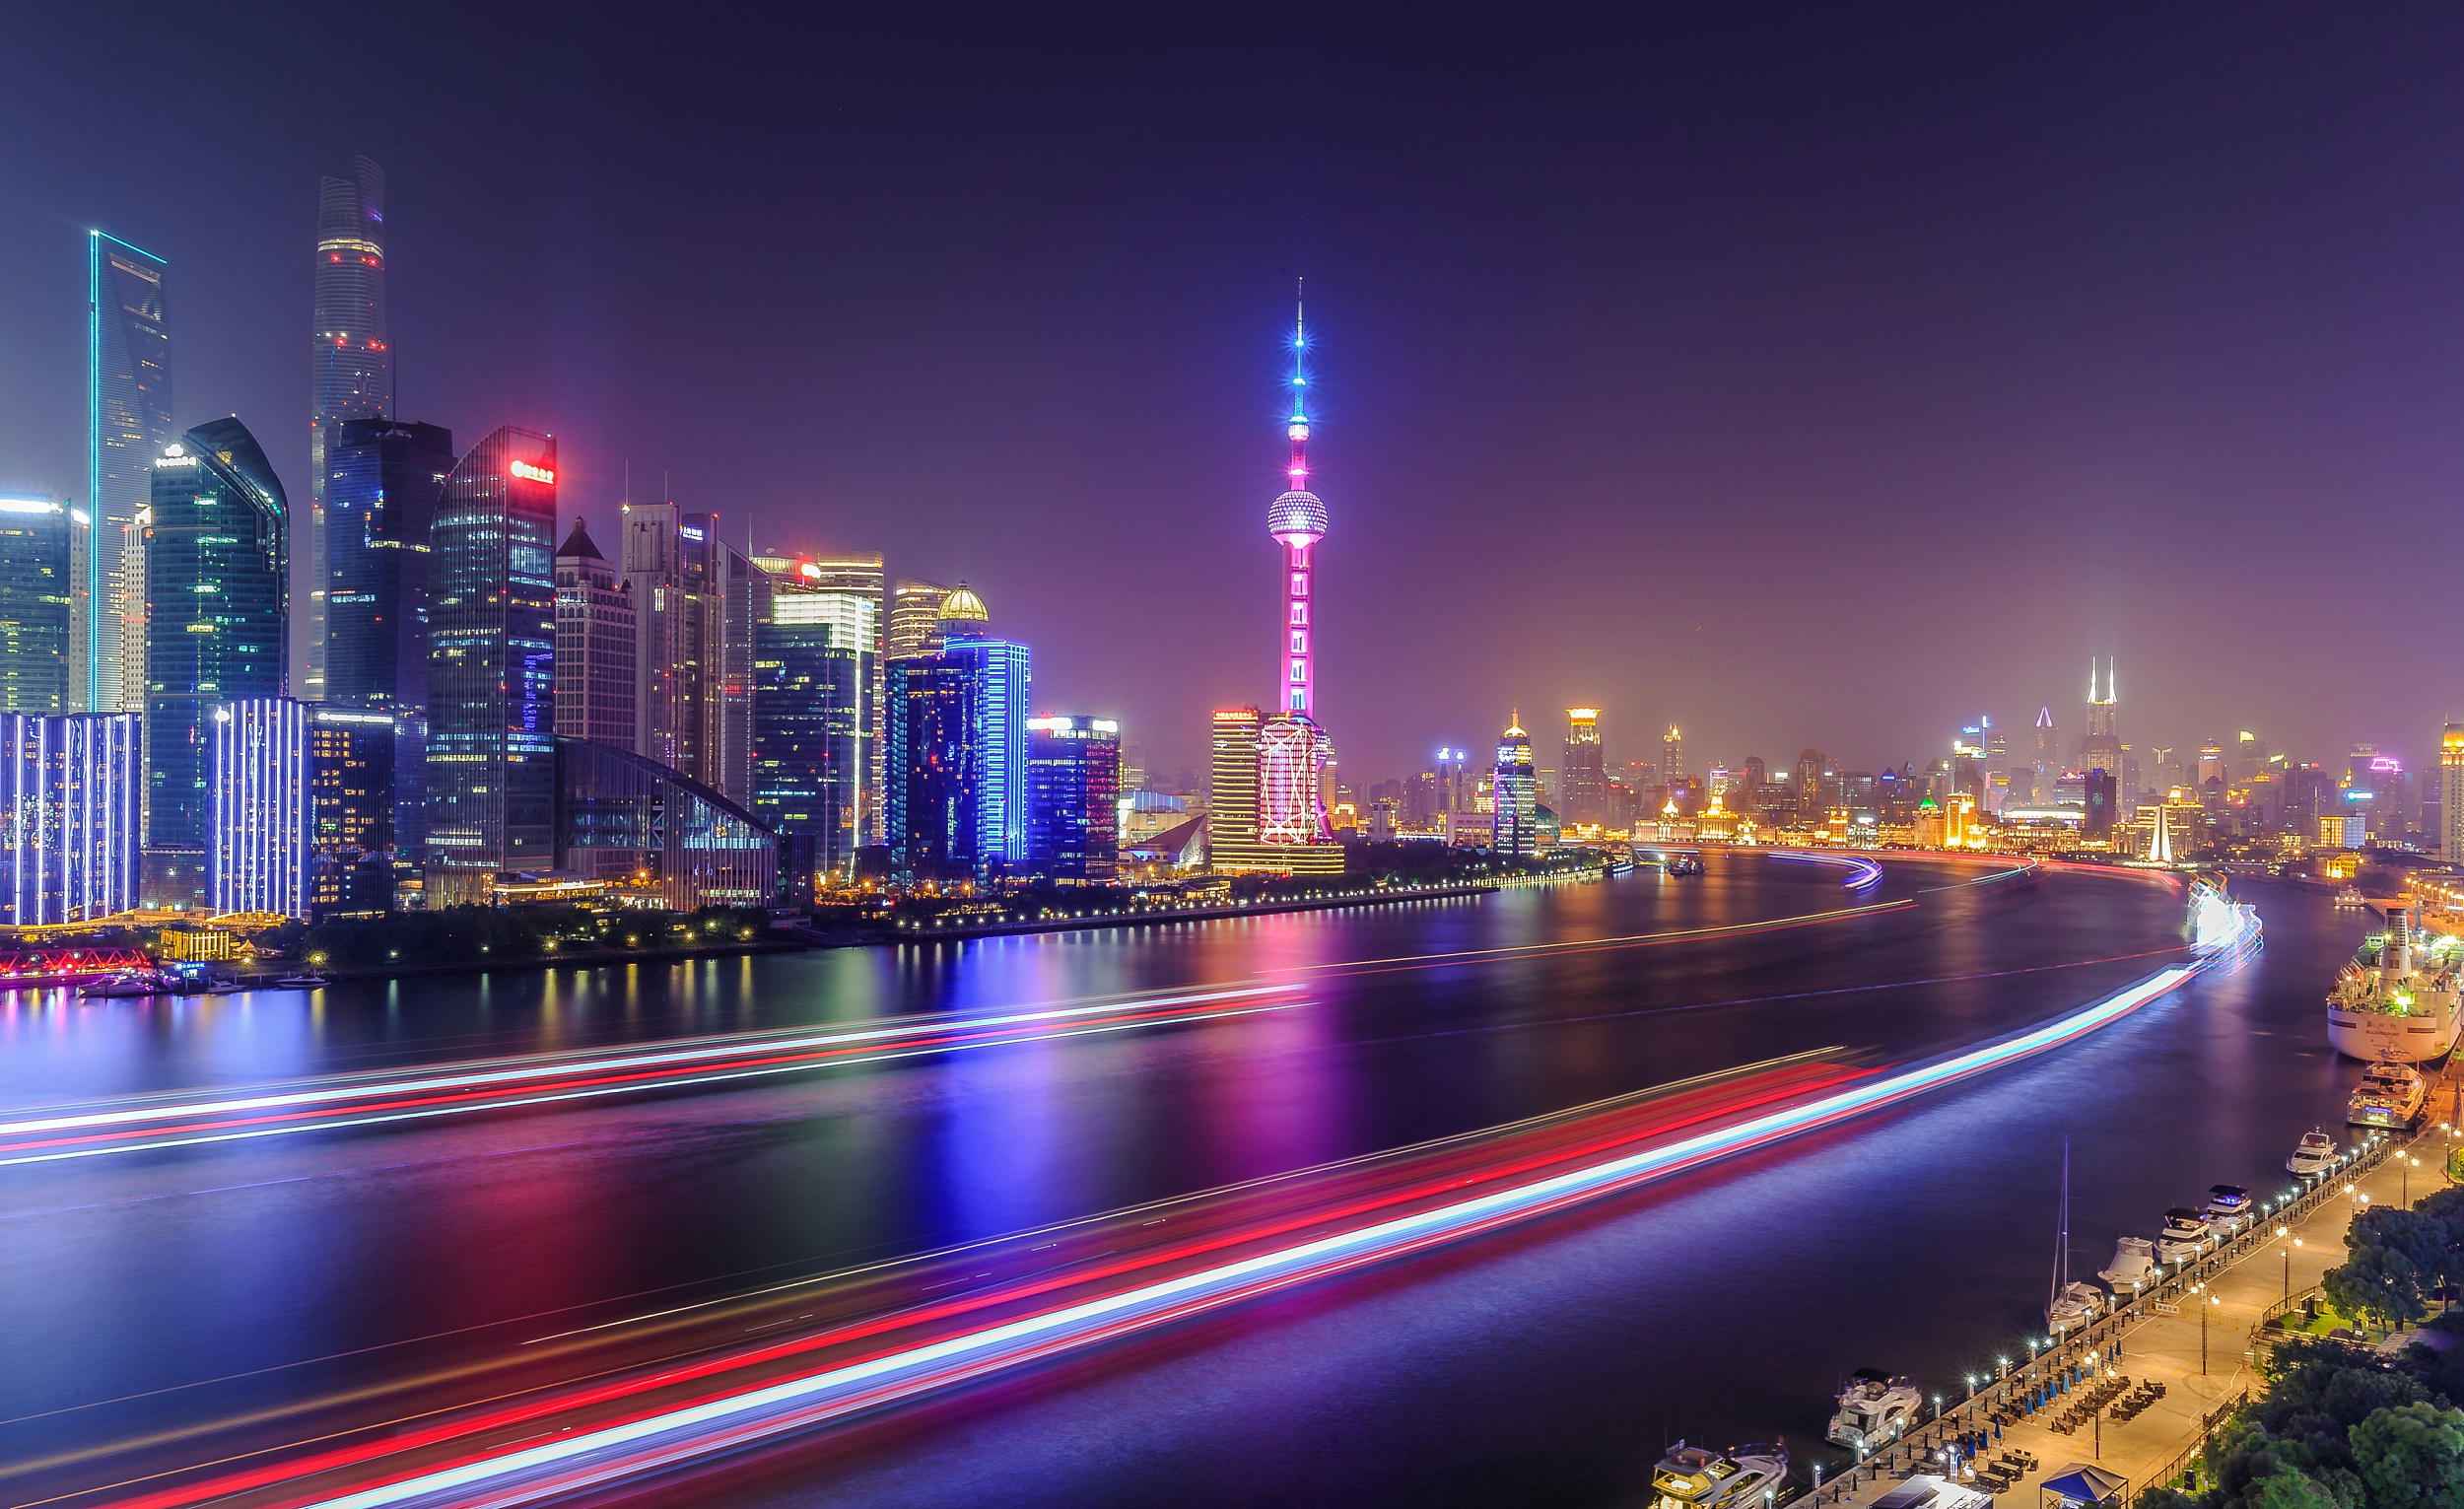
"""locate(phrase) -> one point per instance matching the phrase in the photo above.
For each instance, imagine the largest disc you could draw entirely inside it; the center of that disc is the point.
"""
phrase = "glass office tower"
(999, 676)
(381, 482)
(808, 702)
(218, 601)
(37, 605)
(128, 422)
(490, 746)
(933, 820)
(1073, 792)
(351, 373)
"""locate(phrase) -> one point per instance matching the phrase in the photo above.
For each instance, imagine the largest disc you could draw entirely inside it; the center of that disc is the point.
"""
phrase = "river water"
(150, 1290)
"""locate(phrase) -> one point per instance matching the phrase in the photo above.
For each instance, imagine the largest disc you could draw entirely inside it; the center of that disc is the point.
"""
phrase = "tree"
(2411, 1458)
(2377, 1283)
(2288, 1490)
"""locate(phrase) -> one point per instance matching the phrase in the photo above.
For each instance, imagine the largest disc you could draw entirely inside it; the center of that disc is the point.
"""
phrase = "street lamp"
(2289, 1246)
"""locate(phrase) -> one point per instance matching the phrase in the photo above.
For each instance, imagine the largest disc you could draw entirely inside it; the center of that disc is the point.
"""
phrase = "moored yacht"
(1874, 1410)
(2227, 1208)
(2398, 996)
(2390, 1094)
(1692, 1477)
(2316, 1155)
(2134, 1262)
(2184, 1237)
(2074, 1305)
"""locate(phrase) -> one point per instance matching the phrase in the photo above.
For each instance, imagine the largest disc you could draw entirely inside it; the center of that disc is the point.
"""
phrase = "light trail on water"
(589, 1452)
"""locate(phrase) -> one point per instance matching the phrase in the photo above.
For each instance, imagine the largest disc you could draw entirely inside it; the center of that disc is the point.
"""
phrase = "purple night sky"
(1800, 378)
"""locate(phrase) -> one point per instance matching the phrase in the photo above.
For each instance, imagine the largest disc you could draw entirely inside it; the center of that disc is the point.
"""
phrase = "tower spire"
(1300, 388)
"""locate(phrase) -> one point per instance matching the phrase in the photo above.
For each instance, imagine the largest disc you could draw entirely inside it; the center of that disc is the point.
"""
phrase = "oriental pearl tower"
(1291, 747)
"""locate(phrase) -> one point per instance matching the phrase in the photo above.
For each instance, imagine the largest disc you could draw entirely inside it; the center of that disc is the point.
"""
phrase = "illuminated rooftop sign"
(530, 473)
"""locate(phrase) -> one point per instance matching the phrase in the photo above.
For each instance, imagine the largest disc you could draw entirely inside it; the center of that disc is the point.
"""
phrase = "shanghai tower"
(351, 376)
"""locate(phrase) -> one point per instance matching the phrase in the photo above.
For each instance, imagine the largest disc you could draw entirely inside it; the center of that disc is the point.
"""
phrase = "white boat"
(2399, 996)
(2317, 1154)
(1874, 1410)
(2184, 1237)
(2348, 897)
(2072, 1302)
(2134, 1263)
(2390, 1094)
(2227, 1208)
(299, 982)
(133, 985)
(1740, 1478)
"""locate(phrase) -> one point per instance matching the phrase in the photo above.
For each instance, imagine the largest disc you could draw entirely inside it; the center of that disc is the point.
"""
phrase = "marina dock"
(2207, 1368)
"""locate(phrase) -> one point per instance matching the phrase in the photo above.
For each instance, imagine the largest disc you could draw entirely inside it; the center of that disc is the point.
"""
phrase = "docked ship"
(2390, 1095)
(1740, 1478)
(2396, 1001)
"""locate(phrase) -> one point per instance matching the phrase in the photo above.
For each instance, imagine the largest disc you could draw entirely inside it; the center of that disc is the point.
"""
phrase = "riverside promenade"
(2196, 1334)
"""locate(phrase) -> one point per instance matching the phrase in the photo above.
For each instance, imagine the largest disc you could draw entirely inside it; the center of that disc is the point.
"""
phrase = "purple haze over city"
(1793, 376)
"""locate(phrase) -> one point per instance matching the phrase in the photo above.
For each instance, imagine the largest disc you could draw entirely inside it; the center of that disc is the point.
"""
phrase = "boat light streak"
(736, 1419)
(1866, 872)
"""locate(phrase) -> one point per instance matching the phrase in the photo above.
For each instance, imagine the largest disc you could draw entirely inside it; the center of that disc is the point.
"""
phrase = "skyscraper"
(915, 623)
(810, 690)
(596, 634)
(128, 422)
(262, 806)
(382, 479)
(2451, 794)
(934, 823)
(1672, 759)
(855, 580)
(216, 616)
(1232, 791)
(1000, 675)
(351, 371)
(694, 603)
(354, 840)
(1585, 774)
(1291, 746)
(2045, 763)
(1515, 787)
(1073, 790)
(37, 605)
(491, 753)
(2101, 747)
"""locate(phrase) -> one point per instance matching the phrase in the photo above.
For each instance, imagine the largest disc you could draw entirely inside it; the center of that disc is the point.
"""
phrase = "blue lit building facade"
(1073, 798)
(37, 605)
(70, 793)
(218, 601)
(262, 806)
(1001, 679)
(490, 753)
(933, 817)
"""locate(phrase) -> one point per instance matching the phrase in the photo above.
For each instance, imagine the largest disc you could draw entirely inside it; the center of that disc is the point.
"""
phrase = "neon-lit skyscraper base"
(68, 817)
(1291, 810)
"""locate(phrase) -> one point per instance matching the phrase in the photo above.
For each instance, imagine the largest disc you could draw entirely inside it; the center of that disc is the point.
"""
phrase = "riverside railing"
(2067, 1354)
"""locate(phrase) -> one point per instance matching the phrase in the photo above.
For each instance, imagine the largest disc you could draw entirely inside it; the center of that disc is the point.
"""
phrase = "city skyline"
(1678, 420)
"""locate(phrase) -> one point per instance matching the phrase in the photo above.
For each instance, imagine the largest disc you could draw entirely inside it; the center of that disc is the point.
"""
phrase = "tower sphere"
(1297, 518)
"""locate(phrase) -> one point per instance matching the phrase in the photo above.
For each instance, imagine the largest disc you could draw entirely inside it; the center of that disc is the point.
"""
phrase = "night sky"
(1798, 377)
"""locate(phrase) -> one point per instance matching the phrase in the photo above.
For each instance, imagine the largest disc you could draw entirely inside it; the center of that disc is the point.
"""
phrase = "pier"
(2193, 1341)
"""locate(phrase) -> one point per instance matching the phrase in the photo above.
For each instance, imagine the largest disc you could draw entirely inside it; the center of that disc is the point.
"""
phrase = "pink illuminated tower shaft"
(1291, 748)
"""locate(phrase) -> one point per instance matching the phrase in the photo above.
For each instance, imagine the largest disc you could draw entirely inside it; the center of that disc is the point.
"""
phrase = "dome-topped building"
(963, 612)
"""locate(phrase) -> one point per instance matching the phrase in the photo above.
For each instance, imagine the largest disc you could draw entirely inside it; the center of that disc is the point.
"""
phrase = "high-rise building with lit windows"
(914, 626)
(1073, 792)
(849, 586)
(810, 759)
(38, 610)
(491, 753)
(2451, 794)
(1000, 680)
(128, 422)
(263, 808)
(1515, 786)
(350, 373)
(596, 634)
(69, 817)
(1585, 772)
(217, 620)
(383, 478)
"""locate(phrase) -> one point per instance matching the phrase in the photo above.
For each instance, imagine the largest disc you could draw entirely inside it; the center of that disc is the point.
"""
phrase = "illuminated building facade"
(2451, 794)
(915, 621)
(1515, 789)
(354, 836)
(810, 693)
(1584, 776)
(933, 822)
(381, 480)
(1073, 798)
(350, 376)
(69, 806)
(620, 818)
(39, 614)
(596, 634)
(262, 806)
(1291, 821)
(2097, 826)
(218, 584)
(999, 677)
(1232, 791)
(852, 581)
(1672, 758)
(695, 602)
(128, 423)
(490, 755)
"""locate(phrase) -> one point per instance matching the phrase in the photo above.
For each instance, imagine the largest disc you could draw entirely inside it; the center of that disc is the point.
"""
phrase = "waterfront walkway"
(2206, 1370)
